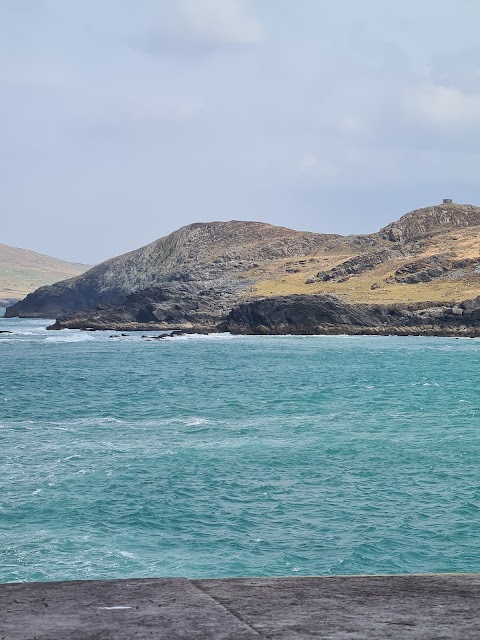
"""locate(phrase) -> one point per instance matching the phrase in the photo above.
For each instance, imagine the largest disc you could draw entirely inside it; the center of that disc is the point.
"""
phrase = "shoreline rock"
(204, 269)
(302, 315)
(326, 315)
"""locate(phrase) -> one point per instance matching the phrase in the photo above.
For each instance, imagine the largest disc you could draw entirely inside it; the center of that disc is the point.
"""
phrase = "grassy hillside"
(23, 271)
(428, 255)
(449, 247)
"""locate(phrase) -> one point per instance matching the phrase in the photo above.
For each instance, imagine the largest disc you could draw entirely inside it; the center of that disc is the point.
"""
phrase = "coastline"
(293, 315)
(279, 330)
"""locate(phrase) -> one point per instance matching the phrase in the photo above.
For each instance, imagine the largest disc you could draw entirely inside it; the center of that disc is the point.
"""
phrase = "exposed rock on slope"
(441, 244)
(185, 306)
(195, 276)
(358, 264)
(311, 315)
(23, 271)
(422, 222)
(210, 257)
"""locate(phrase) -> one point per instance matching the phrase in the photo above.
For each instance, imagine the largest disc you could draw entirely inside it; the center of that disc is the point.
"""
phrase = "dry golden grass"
(459, 243)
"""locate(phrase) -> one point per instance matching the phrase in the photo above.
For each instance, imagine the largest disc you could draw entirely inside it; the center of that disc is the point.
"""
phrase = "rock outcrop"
(252, 277)
(313, 315)
(208, 256)
(358, 264)
(422, 222)
(181, 306)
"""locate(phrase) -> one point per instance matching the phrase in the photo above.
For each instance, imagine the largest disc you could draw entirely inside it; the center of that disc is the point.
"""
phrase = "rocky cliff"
(193, 278)
(311, 315)
(430, 220)
(209, 259)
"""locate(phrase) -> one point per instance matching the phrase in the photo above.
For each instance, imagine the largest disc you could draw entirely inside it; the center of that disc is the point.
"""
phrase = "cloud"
(460, 70)
(199, 27)
(187, 110)
(220, 21)
(309, 161)
(436, 106)
(145, 117)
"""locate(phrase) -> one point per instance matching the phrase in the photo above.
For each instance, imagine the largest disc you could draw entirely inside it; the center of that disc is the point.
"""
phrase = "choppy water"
(236, 456)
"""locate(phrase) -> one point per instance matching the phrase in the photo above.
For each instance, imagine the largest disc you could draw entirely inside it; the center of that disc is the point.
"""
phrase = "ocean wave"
(194, 422)
(73, 337)
(258, 456)
(213, 337)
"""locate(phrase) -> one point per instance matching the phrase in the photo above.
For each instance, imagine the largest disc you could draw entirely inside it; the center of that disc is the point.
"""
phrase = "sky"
(122, 120)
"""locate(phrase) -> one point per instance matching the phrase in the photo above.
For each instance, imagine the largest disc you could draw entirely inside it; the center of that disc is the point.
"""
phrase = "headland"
(419, 275)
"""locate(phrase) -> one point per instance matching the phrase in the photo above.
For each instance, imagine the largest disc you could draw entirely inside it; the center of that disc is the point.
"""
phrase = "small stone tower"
(447, 201)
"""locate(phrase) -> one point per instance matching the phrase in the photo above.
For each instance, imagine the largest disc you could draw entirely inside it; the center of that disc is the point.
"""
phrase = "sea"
(220, 455)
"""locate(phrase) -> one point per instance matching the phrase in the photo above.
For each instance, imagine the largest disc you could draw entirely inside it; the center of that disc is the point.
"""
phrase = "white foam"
(194, 422)
(75, 337)
(203, 337)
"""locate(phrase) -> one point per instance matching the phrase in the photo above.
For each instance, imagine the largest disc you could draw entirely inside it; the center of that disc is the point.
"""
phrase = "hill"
(199, 260)
(430, 254)
(196, 275)
(23, 271)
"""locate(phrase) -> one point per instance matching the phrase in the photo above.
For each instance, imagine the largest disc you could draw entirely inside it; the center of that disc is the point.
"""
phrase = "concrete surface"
(338, 608)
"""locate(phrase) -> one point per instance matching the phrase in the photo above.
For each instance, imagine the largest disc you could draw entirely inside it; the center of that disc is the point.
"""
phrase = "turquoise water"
(236, 456)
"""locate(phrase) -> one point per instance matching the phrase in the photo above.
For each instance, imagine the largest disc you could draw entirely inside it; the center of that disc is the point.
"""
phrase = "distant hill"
(197, 274)
(23, 271)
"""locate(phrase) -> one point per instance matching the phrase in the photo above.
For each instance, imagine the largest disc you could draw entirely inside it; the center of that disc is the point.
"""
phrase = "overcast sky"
(121, 120)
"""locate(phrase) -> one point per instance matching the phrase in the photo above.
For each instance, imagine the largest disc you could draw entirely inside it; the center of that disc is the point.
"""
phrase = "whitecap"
(203, 337)
(195, 422)
(76, 337)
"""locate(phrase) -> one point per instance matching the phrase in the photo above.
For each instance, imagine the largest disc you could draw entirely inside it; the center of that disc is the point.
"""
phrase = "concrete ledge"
(337, 608)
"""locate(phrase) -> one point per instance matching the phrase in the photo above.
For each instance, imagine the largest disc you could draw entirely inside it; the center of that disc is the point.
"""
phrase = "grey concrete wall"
(337, 608)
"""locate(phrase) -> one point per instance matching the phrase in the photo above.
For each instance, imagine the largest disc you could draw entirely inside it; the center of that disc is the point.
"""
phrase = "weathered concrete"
(117, 609)
(337, 608)
(355, 607)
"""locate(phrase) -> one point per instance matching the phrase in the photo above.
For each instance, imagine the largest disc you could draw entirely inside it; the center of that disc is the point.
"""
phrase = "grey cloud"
(123, 120)
(198, 27)
(460, 70)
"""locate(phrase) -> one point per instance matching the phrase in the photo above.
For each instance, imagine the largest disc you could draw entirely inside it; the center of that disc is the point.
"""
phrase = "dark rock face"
(428, 269)
(180, 305)
(326, 315)
(61, 297)
(195, 276)
(423, 270)
(295, 314)
(358, 264)
(7, 302)
(210, 255)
